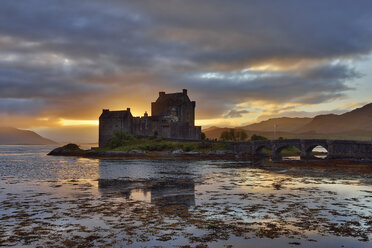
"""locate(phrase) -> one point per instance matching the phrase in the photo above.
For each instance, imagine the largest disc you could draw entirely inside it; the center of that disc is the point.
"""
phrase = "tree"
(120, 138)
(243, 135)
(232, 134)
(202, 136)
(225, 135)
(257, 137)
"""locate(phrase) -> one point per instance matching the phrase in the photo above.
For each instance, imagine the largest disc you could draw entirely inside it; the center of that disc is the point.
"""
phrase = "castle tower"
(175, 104)
(172, 117)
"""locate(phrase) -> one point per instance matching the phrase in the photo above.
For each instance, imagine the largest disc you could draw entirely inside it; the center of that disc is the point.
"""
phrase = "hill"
(284, 124)
(356, 125)
(356, 121)
(215, 133)
(14, 136)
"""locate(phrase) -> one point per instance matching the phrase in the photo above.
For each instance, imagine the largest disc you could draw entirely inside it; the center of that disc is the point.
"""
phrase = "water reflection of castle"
(161, 192)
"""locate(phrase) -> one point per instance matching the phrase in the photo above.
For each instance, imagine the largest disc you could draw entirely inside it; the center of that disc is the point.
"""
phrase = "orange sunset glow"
(57, 76)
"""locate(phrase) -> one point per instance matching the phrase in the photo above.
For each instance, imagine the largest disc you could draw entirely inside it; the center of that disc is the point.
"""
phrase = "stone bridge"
(337, 149)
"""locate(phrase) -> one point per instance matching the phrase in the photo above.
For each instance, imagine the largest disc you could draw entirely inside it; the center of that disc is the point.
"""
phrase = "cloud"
(236, 113)
(21, 106)
(353, 105)
(70, 59)
(306, 86)
(251, 31)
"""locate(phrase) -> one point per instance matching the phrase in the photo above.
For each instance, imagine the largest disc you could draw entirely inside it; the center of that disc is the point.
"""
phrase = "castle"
(172, 117)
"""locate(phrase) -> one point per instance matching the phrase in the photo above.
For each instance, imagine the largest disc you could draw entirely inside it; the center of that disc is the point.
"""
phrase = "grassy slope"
(159, 144)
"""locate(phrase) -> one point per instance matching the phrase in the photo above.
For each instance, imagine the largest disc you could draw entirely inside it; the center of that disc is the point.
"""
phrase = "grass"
(159, 144)
(289, 151)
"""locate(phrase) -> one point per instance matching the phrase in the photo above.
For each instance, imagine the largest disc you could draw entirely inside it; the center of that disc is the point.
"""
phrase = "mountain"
(284, 124)
(215, 133)
(358, 121)
(356, 124)
(210, 128)
(14, 136)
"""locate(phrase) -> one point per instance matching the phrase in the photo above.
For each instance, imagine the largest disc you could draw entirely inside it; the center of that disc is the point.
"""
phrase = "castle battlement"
(172, 117)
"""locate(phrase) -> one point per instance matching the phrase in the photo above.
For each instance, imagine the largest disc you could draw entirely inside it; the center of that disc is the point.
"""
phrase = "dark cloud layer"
(65, 58)
(236, 113)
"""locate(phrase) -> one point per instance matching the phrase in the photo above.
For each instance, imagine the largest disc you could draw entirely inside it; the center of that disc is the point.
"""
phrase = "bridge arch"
(335, 148)
(278, 149)
(310, 150)
(259, 148)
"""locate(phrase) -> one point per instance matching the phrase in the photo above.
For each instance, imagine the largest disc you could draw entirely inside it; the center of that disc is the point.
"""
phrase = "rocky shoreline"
(74, 150)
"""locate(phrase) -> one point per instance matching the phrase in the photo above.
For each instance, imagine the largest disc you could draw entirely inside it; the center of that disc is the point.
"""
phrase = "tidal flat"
(50, 201)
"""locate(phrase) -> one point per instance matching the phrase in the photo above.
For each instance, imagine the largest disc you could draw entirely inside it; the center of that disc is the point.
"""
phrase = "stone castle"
(172, 117)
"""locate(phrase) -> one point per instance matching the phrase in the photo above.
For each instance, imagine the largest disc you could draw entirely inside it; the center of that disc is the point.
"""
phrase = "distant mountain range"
(356, 121)
(284, 124)
(14, 136)
(356, 124)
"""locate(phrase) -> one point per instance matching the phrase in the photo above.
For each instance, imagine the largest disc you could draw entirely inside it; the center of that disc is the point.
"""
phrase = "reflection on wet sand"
(136, 203)
(162, 192)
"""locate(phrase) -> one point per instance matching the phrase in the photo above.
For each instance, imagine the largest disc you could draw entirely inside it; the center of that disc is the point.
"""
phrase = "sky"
(242, 61)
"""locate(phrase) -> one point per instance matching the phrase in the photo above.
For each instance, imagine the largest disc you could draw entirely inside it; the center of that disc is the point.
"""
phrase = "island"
(170, 132)
(124, 145)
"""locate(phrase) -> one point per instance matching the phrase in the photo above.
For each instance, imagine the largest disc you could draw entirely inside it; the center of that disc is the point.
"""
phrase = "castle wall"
(175, 104)
(173, 117)
(187, 113)
(143, 127)
(109, 123)
(147, 127)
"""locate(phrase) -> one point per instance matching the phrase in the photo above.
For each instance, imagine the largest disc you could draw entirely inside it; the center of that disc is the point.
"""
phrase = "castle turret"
(172, 117)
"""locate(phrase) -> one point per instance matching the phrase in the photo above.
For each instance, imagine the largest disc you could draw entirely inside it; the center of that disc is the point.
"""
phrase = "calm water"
(64, 201)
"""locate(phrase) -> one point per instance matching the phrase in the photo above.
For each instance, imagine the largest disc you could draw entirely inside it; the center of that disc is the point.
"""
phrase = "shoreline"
(212, 155)
(151, 156)
(74, 150)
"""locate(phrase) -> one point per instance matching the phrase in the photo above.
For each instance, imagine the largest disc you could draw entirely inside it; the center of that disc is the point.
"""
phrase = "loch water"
(48, 201)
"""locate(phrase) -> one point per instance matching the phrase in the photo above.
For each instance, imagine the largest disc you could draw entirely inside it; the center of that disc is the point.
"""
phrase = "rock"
(67, 150)
(113, 153)
(224, 152)
(192, 153)
(136, 152)
(177, 152)
(92, 153)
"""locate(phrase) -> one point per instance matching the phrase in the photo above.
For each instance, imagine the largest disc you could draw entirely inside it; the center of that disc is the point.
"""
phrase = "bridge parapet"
(337, 149)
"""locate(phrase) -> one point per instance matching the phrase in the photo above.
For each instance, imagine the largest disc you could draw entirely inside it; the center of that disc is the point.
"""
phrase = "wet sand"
(142, 203)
